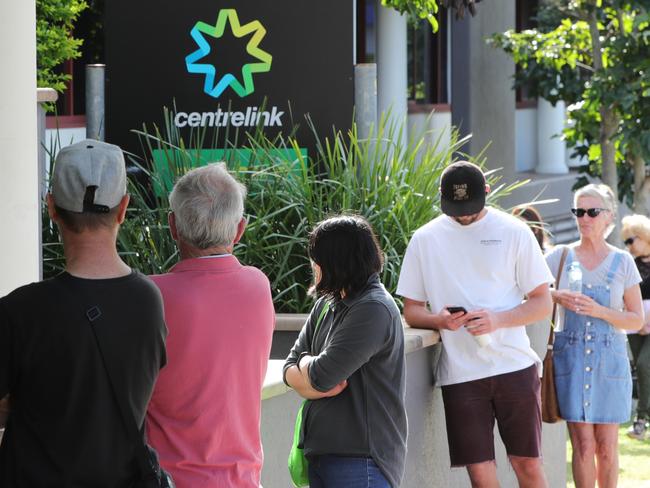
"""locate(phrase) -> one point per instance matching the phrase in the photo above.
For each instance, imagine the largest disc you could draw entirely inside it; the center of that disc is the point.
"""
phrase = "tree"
(593, 55)
(54, 41)
(427, 9)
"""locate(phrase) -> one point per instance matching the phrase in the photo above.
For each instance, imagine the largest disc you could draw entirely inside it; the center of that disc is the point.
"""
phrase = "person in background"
(592, 369)
(538, 332)
(204, 415)
(64, 426)
(354, 427)
(533, 218)
(635, 233)
(477, 275)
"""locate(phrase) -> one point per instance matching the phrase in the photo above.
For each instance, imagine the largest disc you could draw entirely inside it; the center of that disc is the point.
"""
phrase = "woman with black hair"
(349, 362)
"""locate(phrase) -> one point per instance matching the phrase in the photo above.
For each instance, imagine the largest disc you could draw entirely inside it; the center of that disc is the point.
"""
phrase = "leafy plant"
(593, 55)
(54, 42)
(427, 9)
(391, 180)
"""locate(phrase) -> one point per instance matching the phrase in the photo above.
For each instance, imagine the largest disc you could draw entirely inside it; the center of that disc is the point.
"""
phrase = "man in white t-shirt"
(487, 262)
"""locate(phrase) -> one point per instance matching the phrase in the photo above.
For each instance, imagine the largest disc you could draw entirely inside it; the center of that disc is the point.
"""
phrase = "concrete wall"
(435, 127)
(526, 139)
(427, 462)
(482, 100)
(19, 199)
(56, 139)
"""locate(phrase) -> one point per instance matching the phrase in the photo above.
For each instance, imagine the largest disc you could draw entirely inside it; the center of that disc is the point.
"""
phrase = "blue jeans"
(349, 472)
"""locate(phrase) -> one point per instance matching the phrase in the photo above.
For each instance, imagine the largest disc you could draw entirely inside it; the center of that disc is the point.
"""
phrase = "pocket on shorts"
(563, 360)
(614, 361)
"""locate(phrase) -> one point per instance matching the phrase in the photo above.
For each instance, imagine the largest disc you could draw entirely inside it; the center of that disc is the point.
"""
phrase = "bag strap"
(321, 316)
(551, 334)
(94, 316)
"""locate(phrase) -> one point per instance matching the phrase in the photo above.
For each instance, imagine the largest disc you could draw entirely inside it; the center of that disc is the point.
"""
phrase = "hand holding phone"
(456, 309)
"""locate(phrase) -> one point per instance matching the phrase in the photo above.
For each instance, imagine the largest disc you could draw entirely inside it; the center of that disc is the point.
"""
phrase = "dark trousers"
(640, 346)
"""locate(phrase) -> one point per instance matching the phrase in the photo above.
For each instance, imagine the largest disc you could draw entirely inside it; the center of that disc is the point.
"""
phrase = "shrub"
(391, 180)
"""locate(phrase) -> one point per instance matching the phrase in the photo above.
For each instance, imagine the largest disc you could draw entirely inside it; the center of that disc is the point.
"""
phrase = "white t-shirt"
(490, 264)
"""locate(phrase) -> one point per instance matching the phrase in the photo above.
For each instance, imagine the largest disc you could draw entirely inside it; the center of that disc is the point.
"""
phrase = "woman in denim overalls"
(592, 371)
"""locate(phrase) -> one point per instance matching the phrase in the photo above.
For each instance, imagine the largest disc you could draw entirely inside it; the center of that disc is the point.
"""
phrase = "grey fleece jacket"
(360, 339)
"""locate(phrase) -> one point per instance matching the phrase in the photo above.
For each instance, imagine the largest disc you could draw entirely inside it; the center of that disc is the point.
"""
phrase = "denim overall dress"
(592, 369)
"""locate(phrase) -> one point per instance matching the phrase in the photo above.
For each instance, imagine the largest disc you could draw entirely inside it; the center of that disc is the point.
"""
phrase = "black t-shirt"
(644, 271)
(65, 429)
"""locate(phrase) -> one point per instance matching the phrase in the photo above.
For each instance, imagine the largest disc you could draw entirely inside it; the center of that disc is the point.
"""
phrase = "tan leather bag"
(4, 411)
(550, 407)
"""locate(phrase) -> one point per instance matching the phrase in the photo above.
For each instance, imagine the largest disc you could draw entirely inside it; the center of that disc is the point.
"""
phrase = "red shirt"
(204, 415)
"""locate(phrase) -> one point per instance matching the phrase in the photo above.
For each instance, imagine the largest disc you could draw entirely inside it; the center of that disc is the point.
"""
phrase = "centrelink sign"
(241, 65)
(216, 84)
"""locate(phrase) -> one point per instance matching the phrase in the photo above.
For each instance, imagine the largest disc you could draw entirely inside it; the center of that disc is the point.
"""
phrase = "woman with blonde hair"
(636, 236)
(592, 370)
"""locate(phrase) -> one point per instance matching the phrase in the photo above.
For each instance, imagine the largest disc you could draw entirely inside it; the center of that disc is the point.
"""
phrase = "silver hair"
(208, 204)
(605, 194)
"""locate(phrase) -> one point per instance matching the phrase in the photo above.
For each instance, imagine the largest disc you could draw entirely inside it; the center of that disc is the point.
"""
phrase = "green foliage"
(416, 9)
(556, 62)
(54, 42)
(390, 180)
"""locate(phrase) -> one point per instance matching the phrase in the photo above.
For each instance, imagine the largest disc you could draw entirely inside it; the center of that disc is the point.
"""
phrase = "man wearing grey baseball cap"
(477, 275)
(58, 338)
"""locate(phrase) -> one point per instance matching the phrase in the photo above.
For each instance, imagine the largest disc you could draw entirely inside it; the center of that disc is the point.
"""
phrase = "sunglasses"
(592, 212)
(629, 241)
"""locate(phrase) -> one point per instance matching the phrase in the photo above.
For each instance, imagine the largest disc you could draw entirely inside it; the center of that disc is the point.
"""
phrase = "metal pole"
(95, 101)
(365, 99)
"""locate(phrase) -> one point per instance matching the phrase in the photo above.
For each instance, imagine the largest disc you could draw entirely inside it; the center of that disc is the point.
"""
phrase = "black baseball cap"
(462, 189)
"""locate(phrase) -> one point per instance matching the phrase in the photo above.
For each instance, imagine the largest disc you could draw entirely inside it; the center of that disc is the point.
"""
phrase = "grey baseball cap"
(89, 176)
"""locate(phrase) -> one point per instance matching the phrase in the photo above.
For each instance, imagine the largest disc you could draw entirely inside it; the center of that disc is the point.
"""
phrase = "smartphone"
(456, 309)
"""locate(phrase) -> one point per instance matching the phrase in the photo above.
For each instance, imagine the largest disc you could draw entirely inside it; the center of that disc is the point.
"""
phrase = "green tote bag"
(298, 466)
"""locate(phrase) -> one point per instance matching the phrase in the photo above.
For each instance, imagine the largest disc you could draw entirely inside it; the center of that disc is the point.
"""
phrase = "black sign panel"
(243, 64)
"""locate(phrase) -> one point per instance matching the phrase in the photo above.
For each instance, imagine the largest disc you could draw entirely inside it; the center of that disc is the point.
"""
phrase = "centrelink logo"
(253, 116)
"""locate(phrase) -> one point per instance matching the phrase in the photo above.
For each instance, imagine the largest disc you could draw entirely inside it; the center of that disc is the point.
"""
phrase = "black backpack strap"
(93, 313)
(142, 453)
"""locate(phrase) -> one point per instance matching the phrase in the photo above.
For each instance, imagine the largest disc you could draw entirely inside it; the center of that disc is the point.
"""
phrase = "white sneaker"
(638, 430)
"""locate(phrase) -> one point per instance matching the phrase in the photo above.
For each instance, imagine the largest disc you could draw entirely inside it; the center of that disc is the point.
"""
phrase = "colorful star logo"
(228, 80)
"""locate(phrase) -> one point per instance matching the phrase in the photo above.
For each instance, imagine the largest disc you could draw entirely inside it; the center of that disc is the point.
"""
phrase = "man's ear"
(51, 208)
(241, 226)
(487, 188)
(171, 218)
(122, 206)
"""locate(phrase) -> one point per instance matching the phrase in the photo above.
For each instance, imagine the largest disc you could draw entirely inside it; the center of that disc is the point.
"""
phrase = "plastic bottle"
(575, 277)
(483, 340)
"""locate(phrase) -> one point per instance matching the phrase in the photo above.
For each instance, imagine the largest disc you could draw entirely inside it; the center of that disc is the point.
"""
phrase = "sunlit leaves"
(54, 42)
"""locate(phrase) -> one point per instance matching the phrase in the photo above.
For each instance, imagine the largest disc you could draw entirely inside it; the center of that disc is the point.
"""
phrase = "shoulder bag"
(550, 408)
(297, 463)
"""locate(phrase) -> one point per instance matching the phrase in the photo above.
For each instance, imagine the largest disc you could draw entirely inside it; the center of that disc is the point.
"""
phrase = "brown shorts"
(513, 399)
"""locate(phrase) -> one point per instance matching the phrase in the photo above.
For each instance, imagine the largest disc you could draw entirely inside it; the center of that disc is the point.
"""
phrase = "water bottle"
(575, 277)
(483, 340)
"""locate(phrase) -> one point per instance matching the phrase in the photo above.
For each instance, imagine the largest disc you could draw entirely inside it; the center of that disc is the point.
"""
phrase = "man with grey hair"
(65, 425)
(204, 416)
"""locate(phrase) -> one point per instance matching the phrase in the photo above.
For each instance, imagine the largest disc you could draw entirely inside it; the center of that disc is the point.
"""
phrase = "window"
(428, 57)
(366, 31)
(526, 10)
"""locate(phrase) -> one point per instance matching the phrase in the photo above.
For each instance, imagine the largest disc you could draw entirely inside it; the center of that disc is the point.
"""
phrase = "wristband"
(302, 355)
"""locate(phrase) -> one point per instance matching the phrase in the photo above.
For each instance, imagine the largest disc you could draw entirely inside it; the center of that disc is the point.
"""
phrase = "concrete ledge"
(273, 384)
(290, 322)
(46, 95)
(414, 340)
